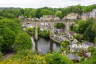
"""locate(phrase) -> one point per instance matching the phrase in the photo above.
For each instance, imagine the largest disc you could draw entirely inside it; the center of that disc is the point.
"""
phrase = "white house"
(87, 15)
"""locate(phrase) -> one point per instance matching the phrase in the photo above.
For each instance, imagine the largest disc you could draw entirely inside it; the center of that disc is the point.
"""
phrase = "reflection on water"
(44, 46)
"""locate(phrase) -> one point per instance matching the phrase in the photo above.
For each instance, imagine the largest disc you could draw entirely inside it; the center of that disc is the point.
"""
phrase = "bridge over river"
(49, 25)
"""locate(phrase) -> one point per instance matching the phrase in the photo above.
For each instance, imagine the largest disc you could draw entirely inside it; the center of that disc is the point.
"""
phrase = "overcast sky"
(43, 3)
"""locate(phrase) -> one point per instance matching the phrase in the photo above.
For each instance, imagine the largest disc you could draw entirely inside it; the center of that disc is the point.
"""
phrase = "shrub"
(7, 39)
(31, 31)
(44, 34)
(57, 58)
(78, 36)
(22, 41)
(1, 56)
(25, 57)
(59, 25)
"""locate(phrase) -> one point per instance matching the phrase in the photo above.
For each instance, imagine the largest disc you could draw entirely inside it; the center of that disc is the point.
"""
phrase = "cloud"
(43, 3)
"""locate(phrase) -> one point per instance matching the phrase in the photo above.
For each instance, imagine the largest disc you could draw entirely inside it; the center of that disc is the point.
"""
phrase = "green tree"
(46, 12)
(91, 60)
(59, 25)
(7, 40)
(64, 46)
(31, 31)
(22, 42)
(59, 14)
(44, 34)
(95, 40)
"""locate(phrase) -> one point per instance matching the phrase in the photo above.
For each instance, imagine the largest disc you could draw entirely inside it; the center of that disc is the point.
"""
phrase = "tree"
(46, 12)
(59, 25)
(22, 42)
(64, 46)
(44, 34)
(59, 14)
(38, 13)
(1, 42)
(91, 60)
(7, 39)
(79, 37)
(31, 31)
(90, 32)
(86, 28)
(95, 40)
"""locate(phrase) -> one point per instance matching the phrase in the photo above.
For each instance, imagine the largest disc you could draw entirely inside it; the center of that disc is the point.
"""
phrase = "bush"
(7, 39)
(8, 30)
(25, 57)
(22, 41)
(1, 56)
(60, 26)
(57, 58)
(78, 36)
(31, 31)
(44, 34)
(95, 40)
(64, 46)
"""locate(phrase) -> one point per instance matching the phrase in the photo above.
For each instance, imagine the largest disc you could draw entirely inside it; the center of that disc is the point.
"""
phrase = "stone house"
(71, 16)
(87, 15)
(49, 18)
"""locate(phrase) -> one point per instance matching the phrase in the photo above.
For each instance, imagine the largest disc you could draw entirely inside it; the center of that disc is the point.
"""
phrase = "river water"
(43, 46)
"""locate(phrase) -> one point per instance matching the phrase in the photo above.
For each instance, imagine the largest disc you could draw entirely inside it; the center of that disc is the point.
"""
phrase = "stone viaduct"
(49, 25)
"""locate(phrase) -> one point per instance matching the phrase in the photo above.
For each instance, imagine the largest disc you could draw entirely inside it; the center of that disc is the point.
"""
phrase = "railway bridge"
(49, 25)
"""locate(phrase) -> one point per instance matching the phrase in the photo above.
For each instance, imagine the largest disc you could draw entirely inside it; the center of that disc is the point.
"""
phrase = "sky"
(44, 3)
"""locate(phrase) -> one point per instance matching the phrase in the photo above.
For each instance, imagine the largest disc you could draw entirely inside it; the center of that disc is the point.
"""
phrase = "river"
(43, 46)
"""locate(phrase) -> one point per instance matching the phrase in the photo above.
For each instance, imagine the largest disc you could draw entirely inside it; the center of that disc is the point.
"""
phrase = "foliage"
(59, 25)
(10, 33)
(59, 14)
(95, 40)
(64, 46)
(22, 41)
(25, 57)
(57, 58)
(1, 55)
(31, 31)
(44, 34)
(90, 32)
(80, 26)
(8, 30)
(78, 36)
(92, 59)
(8, 37)
(30, 13)
(86, 28)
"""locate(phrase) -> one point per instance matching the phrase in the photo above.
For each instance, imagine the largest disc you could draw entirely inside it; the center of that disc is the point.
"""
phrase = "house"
(87, 15)
(49, 18)
(46, 18)
(93, 13)
(56, 19)
(71, 16)
(74, 57)
(78, 47)
(21, 17)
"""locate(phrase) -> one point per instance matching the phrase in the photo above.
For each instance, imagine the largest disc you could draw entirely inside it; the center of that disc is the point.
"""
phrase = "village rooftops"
(71, 16)
(49, 18)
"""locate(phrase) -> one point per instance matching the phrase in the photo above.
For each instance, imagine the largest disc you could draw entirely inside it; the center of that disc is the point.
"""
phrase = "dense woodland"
(14, 40)
(29, 12)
